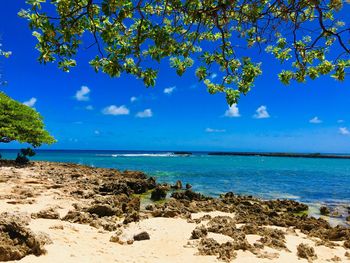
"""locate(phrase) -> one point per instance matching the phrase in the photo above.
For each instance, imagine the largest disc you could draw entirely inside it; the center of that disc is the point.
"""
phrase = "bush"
(22, 156)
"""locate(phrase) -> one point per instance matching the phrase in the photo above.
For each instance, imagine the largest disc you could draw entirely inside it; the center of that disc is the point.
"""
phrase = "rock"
(347, 254)
(189, 195)
(151, 182)
(347, 244)
(78, 217)
(149, 207)
(324, 210)
(336, 259)
(159, 193)
(169, 213)
(134, 174)
(17, 241)
(336, 214)
(115, 239)
(132, 217)
(188, 186)
(166, 186)
(307, 252)
(115, 188)
(101, 210)
(157, 213)
(138, 186)
(47, 214)
(132, 205)
(177, 185)
(199, 232)
(347, 219)
(142, 236)
(210, 247)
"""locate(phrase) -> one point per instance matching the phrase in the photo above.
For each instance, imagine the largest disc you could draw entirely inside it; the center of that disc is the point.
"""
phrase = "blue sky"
(178, 114)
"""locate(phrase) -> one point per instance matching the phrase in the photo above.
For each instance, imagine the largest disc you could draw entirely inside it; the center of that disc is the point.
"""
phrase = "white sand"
(169, 238)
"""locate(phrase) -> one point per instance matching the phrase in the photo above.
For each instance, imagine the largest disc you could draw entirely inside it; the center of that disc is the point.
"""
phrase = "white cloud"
(169, 90)
(89, 107)
(232, 111)
(147, 113)
(261, 113)
(340, 121)
(344, 131)
(213, 76)
(31, 102)
(315, 120)
(115, 110)
(82, 94)
(133, 99)
(214, 130)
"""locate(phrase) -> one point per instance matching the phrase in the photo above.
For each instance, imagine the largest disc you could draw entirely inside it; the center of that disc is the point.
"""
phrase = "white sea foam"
(139, 155)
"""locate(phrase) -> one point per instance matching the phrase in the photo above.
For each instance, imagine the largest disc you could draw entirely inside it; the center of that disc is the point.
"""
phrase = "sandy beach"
(44, 199)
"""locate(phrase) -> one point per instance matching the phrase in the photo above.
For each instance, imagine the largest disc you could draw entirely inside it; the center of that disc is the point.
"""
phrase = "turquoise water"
(307, 180)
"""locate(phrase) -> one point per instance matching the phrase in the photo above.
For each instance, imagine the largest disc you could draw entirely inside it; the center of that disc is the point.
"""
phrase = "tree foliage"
(306, 36)
(21, 123)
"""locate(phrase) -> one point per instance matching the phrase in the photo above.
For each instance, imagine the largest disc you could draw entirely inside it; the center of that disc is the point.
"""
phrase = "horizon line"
(190, 151)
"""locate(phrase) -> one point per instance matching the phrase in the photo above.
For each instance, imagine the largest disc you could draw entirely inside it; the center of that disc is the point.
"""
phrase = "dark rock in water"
(324, 211)
(305, 251)
(347, 244)
(189, 195)
(17, 241)
(158, 194)
(347, 218)
(142, 236)
(188, 186)
(177, 185)
(199, 232)
(46, 214)
(101, 210)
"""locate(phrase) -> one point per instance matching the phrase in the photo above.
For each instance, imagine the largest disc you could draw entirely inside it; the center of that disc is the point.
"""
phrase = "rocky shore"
(58, 212)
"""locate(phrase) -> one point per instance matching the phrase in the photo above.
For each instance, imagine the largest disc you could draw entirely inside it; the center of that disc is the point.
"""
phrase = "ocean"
(312, 181)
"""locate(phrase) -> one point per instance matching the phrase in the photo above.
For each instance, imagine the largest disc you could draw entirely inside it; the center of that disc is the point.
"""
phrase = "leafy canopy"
(307, 36)
(21, 123)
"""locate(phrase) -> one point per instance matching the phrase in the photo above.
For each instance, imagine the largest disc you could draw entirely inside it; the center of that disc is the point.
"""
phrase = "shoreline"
(210, 153)
(96, 213)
